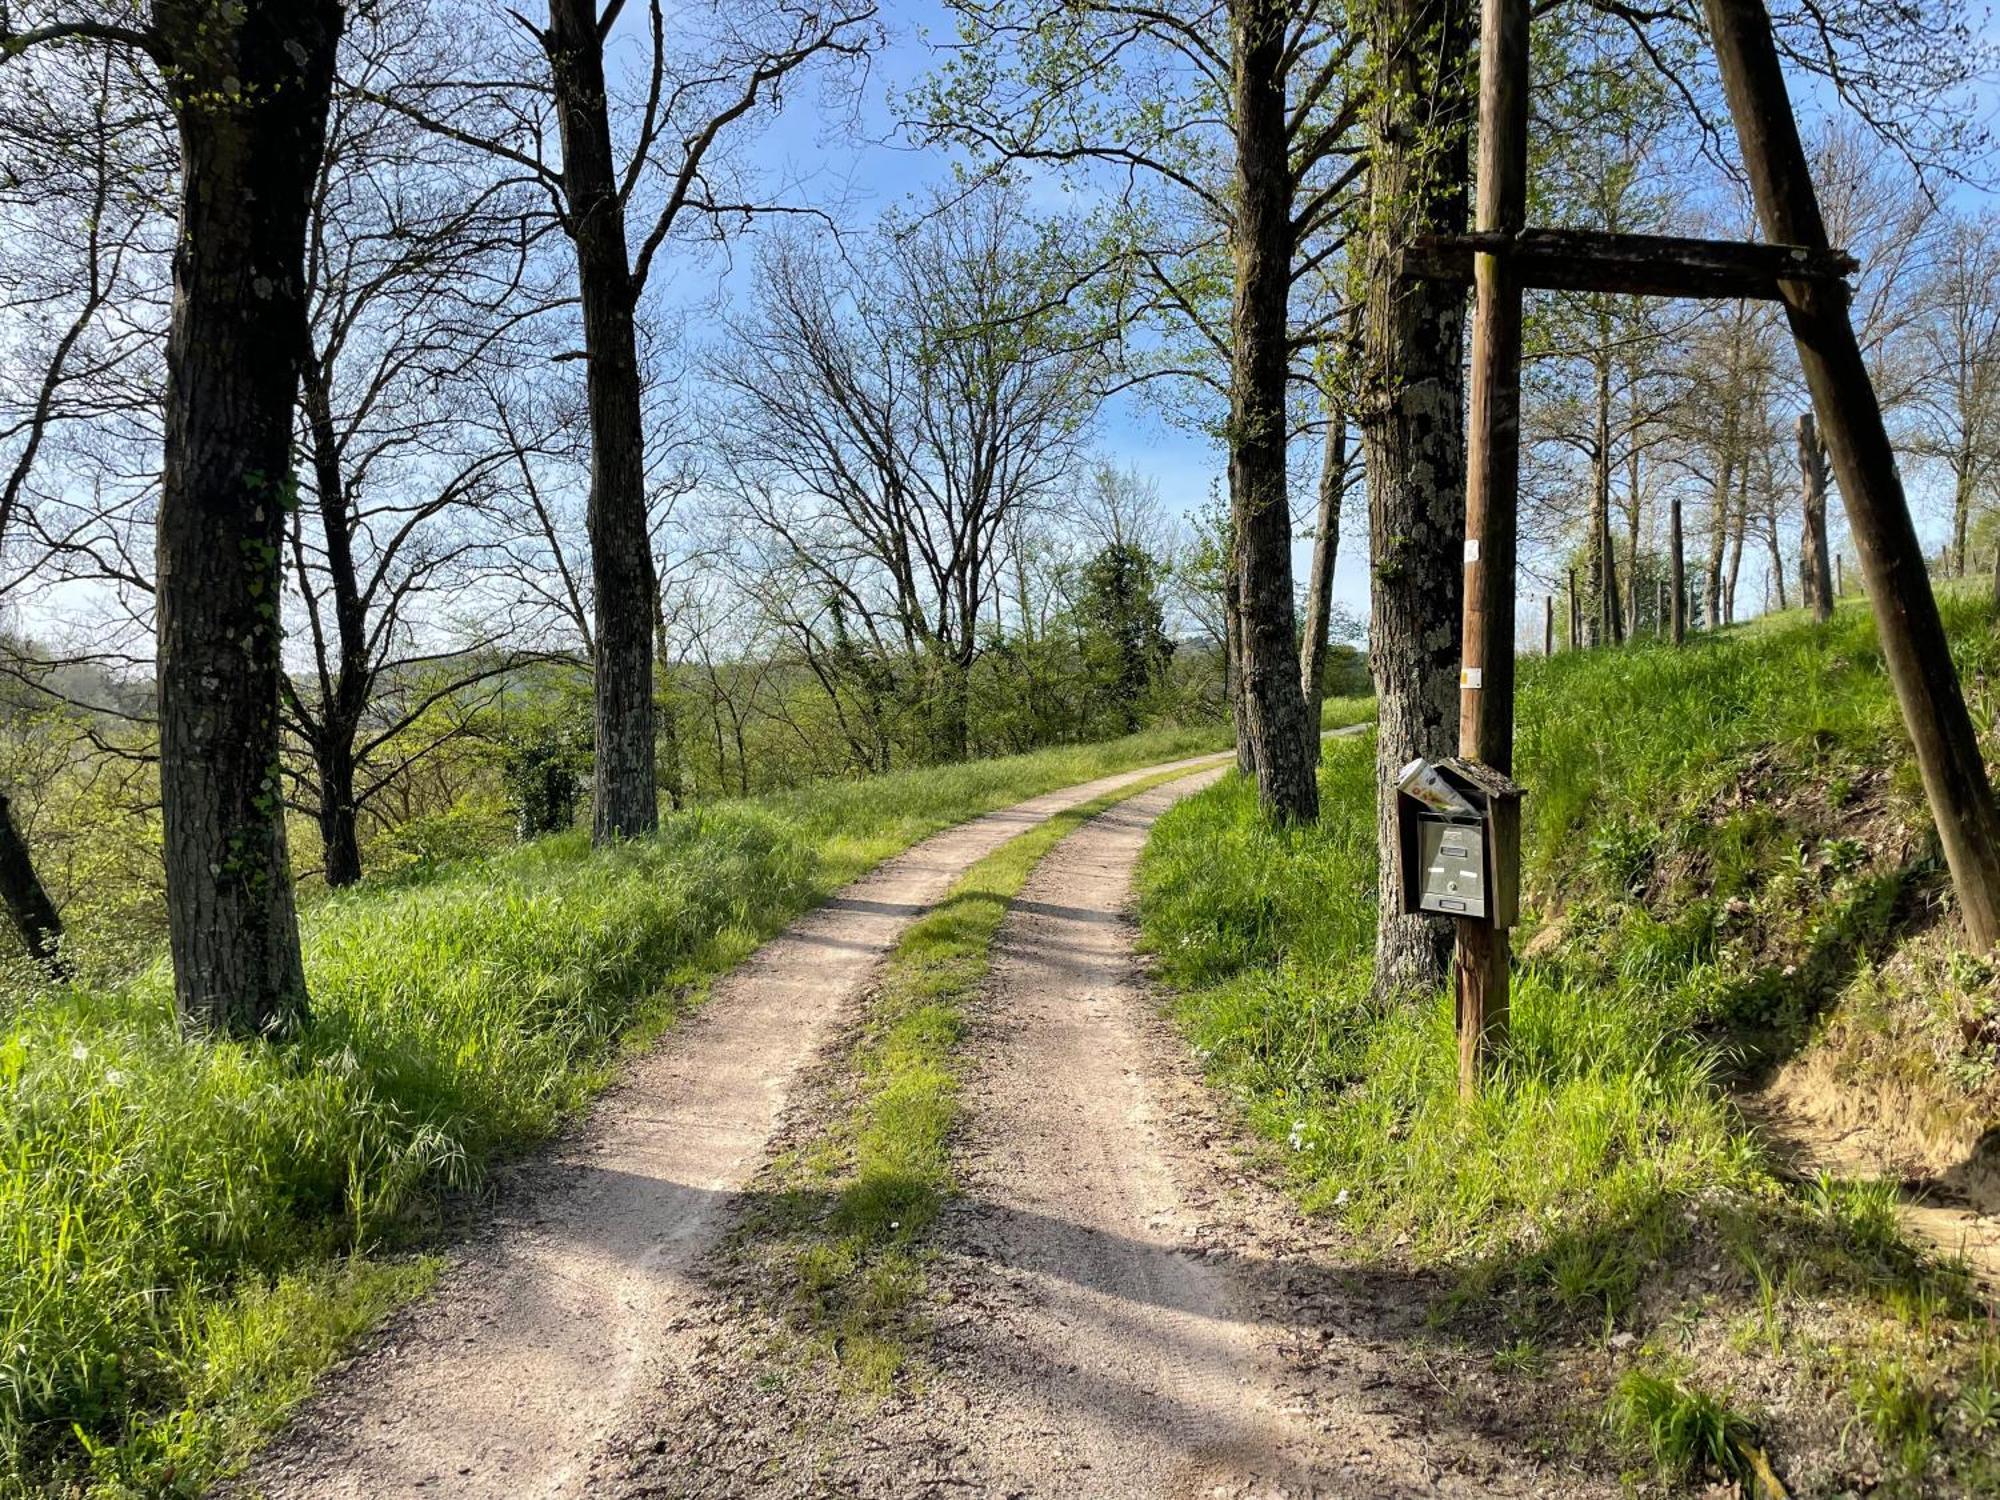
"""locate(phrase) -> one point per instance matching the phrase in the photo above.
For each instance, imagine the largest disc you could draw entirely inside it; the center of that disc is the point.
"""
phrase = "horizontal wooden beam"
(1646, 265)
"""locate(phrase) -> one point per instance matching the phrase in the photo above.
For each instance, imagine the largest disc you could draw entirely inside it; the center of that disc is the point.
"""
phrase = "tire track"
(548, 1329)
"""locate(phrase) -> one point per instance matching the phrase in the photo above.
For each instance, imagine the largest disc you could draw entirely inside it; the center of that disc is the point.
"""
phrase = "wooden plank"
(1648, 265)
(1493, 469)
(1914, 647)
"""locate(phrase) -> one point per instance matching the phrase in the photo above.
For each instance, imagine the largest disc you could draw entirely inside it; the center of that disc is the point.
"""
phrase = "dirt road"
(1119, 1307)
(508, 1380)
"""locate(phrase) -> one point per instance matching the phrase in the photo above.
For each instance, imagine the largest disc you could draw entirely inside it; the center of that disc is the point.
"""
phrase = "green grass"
(190, 1231)
(1721, 842)
(1687, 1431)
(849, 1228)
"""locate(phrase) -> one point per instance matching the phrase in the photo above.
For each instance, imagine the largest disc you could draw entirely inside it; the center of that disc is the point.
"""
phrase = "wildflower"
(78, 1051)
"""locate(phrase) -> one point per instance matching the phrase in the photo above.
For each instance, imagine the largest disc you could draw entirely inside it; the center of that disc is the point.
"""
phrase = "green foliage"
(189, 1229)
(543, 768)
(1125, 643)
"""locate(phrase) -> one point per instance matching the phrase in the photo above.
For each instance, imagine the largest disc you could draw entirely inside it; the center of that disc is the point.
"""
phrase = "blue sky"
(875, 168)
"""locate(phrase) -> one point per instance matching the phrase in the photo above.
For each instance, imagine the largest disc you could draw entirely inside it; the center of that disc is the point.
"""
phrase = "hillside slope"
(1731, 880)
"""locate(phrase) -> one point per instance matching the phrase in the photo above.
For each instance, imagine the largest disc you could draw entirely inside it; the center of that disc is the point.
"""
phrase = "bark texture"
(250, 87)
(1412, 426)
(29, 907)
(1260, 365)
(625, 802)
(1815, 576)
(1677, 574)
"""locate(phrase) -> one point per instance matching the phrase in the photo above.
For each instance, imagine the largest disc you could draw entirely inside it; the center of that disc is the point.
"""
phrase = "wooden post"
(1914, 646)
(1660, 613)
(1549, 612)
(1677, 574)
(1493, 467)
(1996, 577)
(1839, 574)
(1575, 614)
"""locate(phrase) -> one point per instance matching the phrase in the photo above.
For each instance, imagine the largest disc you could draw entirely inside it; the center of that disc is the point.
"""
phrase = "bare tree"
(885, 432)
(1958, 400)
(551, 120)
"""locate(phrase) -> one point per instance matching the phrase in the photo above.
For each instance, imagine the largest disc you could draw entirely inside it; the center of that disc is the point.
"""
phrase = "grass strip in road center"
(846, 1232)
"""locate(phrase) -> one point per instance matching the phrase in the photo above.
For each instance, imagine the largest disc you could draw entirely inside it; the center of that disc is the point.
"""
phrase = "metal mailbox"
(1458, 841)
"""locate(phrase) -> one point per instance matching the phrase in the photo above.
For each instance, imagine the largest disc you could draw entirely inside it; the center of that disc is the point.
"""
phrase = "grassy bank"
(843, 1238)
(189, 1231)
(1719, 840)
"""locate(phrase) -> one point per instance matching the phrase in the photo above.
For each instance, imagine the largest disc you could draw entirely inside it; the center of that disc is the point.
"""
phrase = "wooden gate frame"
(1502, 257)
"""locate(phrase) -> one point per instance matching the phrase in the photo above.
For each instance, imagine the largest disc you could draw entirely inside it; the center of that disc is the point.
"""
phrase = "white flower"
(114, 1076)
(1298, 1136)
(1340, 1199)
(78, 1051)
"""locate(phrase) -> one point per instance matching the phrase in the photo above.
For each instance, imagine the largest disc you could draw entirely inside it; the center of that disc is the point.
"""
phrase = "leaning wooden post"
(1493, 468)
(1914, 646)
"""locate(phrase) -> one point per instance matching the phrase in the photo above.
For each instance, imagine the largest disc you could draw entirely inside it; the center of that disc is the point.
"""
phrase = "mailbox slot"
(1461, 859)
(1451, 860)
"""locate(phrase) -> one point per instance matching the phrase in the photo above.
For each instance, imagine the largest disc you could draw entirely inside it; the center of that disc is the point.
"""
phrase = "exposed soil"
(1121, 1305)
(570, 1309)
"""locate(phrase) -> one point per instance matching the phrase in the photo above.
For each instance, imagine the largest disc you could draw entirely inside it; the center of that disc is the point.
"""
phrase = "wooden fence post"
(1914, 647)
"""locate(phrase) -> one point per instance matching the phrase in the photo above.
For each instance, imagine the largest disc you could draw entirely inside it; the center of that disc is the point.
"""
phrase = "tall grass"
(1268, 938)
(1605, 1113)
(189, 1230)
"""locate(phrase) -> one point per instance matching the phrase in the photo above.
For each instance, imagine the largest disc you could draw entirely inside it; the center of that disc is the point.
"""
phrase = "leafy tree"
(1124, 630)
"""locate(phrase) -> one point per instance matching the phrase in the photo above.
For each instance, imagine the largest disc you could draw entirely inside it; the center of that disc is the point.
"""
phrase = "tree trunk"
(34, 915)
(346, 681)
(333, 758)
(1412, 419)
(1262, 241)
(625, 801)
(1232, 664)
(1610, 623)
(1677, 571)
(1815, 581)
(1739, 520)
(1777, 558)
(1961, 511)
(250, 92)
(673, 771)
(1632, 609)
(1319, 588)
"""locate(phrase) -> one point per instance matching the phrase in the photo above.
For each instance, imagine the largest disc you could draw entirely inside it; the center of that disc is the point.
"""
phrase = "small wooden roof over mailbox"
(1493, 801)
